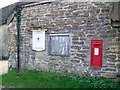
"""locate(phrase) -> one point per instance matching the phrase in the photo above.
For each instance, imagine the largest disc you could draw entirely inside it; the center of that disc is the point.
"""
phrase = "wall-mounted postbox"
(96, 53)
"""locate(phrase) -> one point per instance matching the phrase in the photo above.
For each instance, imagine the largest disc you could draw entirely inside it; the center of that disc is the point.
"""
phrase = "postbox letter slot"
(97, 44)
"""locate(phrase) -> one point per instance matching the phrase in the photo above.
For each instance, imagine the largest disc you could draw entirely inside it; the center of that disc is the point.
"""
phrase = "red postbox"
(96, 53)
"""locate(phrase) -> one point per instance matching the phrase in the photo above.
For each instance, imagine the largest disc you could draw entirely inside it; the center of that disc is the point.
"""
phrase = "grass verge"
(34, 79)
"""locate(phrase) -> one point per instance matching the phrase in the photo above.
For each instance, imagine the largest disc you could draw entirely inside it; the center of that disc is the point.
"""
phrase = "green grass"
(34, 79)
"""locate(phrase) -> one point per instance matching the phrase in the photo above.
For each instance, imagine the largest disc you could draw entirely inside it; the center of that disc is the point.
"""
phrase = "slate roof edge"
(7, 19)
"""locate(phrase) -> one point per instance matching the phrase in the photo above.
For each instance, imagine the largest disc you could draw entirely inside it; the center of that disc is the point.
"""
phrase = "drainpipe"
(18, 17)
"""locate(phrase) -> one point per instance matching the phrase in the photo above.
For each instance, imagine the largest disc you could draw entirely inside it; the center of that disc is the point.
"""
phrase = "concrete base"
(3, 67)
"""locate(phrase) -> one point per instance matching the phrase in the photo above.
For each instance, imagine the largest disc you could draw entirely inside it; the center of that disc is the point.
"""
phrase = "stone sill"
(115, 24)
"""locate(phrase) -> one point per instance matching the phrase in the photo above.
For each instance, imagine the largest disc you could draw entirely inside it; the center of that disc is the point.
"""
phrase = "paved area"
(3, 66)
(1, 87)
(3, 69)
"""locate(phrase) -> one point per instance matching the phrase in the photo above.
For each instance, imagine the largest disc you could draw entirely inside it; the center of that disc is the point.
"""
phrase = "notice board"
(38, 40)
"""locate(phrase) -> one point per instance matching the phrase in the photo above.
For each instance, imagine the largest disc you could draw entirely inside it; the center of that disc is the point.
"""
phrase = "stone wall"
(12, 29)
(83, 22)
(3, 42)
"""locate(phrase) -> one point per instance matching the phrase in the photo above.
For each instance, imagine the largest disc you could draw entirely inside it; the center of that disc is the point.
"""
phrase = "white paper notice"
(96, 51)
(38, 40)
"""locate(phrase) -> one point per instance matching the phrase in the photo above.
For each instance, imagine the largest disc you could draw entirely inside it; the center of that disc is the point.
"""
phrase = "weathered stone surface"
(109, 74)
(3, 42)
(83, 22)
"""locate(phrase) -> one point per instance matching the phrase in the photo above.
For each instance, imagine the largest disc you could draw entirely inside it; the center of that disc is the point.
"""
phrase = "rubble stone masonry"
(83, 22)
